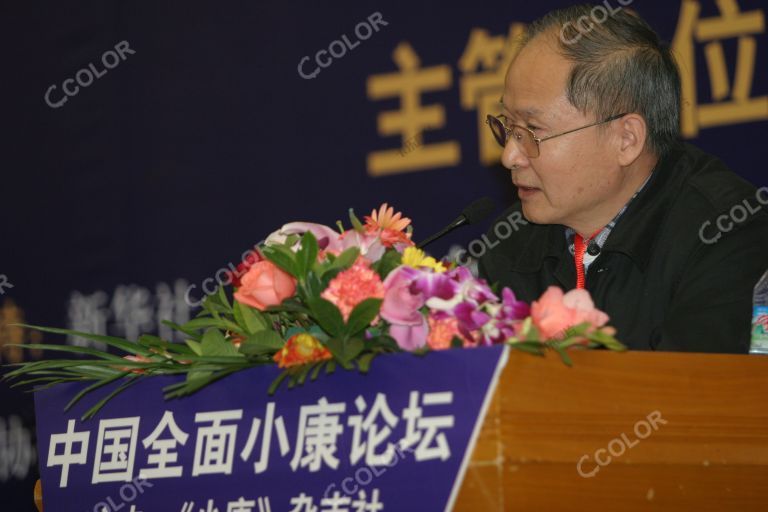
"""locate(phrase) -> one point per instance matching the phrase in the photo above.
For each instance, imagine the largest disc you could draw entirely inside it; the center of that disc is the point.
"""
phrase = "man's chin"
(538, 215)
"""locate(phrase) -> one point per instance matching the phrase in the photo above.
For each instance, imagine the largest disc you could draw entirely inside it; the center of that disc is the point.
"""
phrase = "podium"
(711, 454)
(623, 431)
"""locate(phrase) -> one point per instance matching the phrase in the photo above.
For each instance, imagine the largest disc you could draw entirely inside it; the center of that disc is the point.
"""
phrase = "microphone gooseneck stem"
(447, 229)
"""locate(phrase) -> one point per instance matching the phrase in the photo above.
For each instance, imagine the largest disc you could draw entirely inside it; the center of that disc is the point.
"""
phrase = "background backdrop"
(147, 145)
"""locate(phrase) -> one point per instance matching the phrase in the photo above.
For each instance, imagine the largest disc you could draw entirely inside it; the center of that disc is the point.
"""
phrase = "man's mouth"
(524, 192)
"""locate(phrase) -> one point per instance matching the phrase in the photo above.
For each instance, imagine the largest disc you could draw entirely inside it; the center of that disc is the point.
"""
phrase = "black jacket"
(678, 270)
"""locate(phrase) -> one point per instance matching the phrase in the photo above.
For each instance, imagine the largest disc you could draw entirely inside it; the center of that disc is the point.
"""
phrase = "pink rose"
(555, 312)
(265, 285)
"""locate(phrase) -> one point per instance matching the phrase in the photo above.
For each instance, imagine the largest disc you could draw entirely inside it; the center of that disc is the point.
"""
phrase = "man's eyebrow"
(529, 112)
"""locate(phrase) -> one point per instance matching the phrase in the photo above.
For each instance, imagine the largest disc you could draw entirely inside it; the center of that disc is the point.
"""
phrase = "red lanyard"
(579, 246)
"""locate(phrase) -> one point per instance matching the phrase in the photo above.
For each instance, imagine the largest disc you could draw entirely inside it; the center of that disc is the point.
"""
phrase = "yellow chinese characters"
(731, 103)
(13, 334)
(484, 65)
(412, 119)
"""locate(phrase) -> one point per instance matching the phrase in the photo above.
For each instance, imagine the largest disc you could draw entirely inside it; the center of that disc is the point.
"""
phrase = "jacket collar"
(634, 235)
(637, 231)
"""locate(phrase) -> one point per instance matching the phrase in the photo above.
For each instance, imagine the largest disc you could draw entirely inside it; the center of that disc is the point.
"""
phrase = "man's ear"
(632, 131)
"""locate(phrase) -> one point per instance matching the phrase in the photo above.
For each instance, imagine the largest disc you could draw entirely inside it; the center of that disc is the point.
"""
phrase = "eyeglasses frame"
(508, 131)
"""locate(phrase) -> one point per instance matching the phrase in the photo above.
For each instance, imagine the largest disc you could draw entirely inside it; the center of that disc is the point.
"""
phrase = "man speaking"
(652, 227)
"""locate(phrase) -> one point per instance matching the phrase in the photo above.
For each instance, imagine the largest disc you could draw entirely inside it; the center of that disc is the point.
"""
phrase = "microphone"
(477, 211)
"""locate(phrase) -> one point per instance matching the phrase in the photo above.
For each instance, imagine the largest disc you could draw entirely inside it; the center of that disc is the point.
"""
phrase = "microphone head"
(479, 210)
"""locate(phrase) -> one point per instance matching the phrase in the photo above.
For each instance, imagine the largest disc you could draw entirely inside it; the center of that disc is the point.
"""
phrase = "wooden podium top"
(623, 432)
(653, 431)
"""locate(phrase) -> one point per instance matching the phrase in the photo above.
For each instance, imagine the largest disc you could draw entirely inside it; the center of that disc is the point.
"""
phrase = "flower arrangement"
(313, 298)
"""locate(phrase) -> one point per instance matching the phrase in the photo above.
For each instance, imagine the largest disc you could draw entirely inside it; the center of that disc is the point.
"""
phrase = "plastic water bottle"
(760, 318)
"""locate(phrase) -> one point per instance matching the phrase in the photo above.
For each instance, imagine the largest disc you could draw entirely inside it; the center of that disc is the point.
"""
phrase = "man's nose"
(513, 156)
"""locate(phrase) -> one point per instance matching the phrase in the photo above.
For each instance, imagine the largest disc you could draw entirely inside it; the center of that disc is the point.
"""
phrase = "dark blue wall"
(205, 139)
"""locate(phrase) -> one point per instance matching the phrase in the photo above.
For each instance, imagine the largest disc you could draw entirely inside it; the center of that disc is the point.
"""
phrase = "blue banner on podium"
(398, 438)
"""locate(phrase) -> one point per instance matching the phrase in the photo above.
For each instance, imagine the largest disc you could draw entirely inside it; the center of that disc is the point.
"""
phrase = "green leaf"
(164, 348)
(176, 327)
(212, 309)
(291, 240)
(607, 341)
(213, 304)
(336, 347)
(362, 316)
(532, 347)
(364, 362)
(563, 354)
(195, 346)
(73, 350)
(149, 340)
(356, 224)
(318, 333)
(302, 376)
(237, 313)
(214, 344)
(532, 334)
(223, 298)
(344, 351)
(382, 342)
(316, 370)
(220, 323)
(101, 403)
(249, 318)
(276, 383)
(388, 262)
(352, 348)
(327, 315)
(312, 286)
(307, 255)
(293, 331)
(195, 374)
(101, 383)
(342, 261)
(262, 342)
(291, 306)
(122, 344)
(576, 330)
(195, 384)
(283, 258)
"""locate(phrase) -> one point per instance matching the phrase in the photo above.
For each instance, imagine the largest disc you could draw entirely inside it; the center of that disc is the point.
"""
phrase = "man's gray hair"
(619, 65)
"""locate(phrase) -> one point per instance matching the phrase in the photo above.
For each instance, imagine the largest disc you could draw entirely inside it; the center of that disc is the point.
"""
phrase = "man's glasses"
(525, 137)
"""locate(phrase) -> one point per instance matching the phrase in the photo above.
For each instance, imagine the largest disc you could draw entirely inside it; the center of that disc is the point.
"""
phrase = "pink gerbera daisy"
(390, 225)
